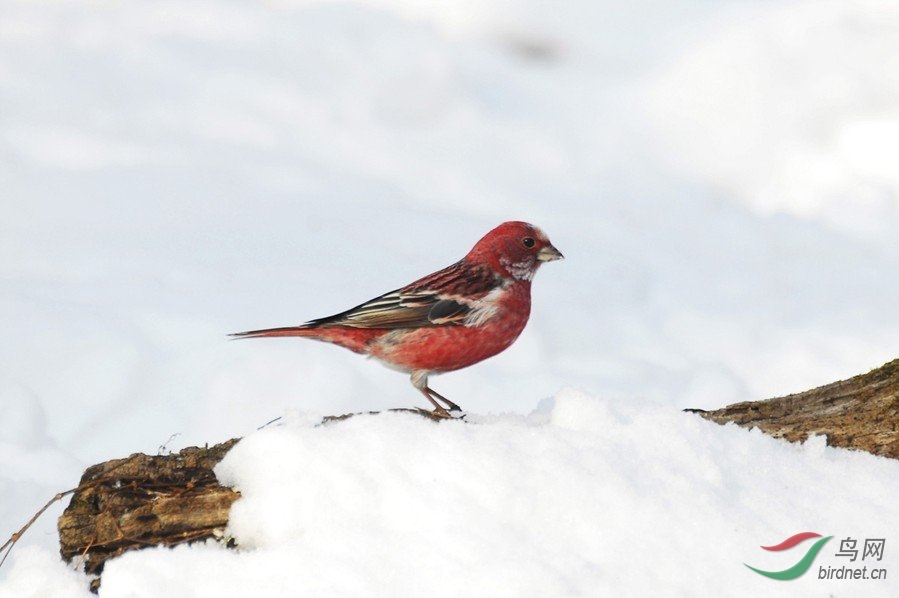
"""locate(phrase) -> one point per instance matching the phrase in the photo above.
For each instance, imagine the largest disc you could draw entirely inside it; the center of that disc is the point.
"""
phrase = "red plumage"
(448, 320)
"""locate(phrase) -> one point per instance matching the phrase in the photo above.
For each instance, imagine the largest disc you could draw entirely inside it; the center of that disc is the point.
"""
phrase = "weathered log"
(858, 413)
(145, 500)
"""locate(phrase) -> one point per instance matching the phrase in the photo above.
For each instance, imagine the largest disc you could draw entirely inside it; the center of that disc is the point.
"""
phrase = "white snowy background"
(723, 178)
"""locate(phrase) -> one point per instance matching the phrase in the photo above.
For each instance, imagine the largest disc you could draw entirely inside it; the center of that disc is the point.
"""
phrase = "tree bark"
(858, 413)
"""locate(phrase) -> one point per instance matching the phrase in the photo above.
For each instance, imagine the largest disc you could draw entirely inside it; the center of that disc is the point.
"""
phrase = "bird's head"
(514, 249)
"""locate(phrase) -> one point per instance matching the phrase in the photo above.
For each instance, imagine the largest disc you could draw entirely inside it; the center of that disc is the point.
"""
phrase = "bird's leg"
(452, 406)
(419, 380)
(438, 408)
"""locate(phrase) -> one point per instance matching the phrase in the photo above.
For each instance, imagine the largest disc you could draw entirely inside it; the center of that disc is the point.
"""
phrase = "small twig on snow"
(8, 546)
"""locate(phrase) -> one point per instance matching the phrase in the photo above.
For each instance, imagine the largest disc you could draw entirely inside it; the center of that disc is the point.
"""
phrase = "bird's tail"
(301, 330)
(354, 339)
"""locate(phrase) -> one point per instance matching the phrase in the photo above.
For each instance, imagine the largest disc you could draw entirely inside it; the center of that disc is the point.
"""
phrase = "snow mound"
(583, 496)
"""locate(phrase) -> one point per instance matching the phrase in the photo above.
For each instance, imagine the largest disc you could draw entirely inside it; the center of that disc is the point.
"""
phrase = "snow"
(720, 177)
(580, 497)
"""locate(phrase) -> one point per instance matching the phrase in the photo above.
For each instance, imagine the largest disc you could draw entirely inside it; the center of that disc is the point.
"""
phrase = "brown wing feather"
(440, 299)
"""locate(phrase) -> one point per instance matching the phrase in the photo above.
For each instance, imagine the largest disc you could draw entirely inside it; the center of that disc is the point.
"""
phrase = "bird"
(445, 321)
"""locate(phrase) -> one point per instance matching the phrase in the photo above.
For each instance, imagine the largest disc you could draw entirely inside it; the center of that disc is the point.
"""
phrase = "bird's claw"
(440, 414)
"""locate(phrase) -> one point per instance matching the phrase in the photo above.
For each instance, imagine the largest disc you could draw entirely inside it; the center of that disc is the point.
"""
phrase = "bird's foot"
(440, 413)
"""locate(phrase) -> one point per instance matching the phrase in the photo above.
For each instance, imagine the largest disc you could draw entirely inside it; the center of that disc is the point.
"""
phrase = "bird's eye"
(528, 242)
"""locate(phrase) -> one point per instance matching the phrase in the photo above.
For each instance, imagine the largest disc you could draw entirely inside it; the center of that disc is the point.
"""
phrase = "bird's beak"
(549, 254)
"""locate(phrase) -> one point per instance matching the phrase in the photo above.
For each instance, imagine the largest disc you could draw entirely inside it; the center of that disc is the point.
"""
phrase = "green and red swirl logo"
(804, 563)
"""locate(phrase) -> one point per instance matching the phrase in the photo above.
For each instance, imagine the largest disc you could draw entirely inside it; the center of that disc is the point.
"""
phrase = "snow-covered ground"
(722, 178)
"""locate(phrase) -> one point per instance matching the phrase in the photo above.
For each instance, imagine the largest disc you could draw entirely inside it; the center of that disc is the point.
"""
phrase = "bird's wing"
(448, 297)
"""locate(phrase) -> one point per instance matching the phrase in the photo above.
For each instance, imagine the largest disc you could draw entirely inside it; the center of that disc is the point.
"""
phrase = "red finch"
(447, 320)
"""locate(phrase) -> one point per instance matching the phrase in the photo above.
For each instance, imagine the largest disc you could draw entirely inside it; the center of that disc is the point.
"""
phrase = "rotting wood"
(145, 500)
